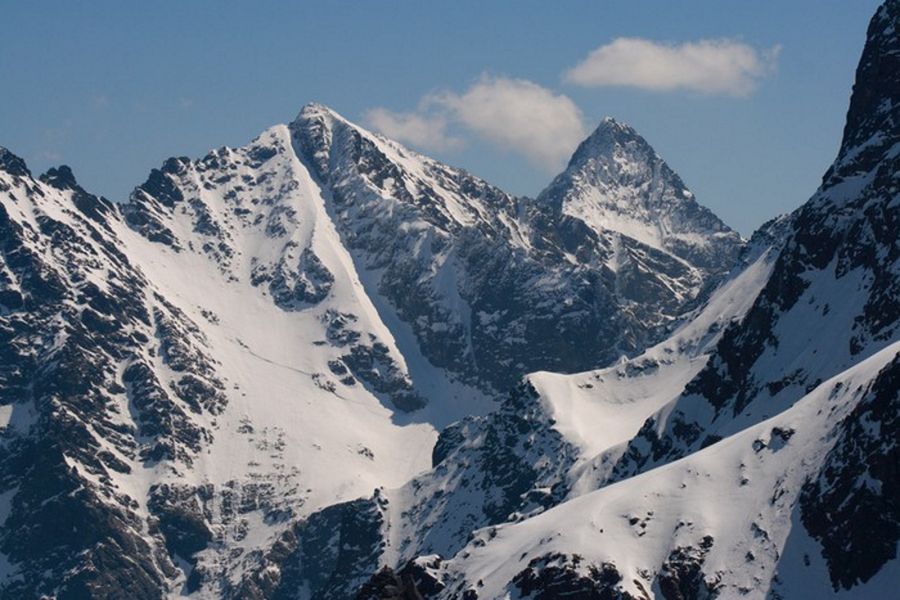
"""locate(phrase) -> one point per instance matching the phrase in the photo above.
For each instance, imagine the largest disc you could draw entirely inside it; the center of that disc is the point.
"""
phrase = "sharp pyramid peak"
(609, 135)
(317, 111)
(613, 126)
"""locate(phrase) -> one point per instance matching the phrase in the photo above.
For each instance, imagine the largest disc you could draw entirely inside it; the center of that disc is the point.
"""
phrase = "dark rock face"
(532, 278)
(12, 164)
(61, 178)
(873, 108)
(60, 526)
(387, 585)
(162, 187)
(426, 575)
(496, 468)
(310, 284)
(681, 576)
(180, 518)
(853, 507)
(61, 374)
(562, 576)
(296, 287)
(85, 404)
(373, 365)
(367, 359)
(330, 554)
(193, 518)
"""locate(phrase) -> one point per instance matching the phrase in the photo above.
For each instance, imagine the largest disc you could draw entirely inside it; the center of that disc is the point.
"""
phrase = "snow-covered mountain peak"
(608, 138)
(200, 387)
(620, 187)
(294, 318)
(876, 93)
(421, 226)
(313, 109)
(343, 153)
(771, 472)
(313, 113)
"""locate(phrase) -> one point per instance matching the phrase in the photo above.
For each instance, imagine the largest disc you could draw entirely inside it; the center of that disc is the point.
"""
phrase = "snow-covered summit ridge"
(602, 141)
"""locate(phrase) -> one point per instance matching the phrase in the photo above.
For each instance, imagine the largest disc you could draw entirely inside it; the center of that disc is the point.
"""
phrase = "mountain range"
(322, 365)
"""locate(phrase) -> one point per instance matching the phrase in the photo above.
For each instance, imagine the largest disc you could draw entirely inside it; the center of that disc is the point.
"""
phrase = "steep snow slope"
(224, 396)
(504, 465)
(95, 406)
(195, 376)
(604, 409)
(279, 437)
(531, 454)
(768, 471)
(493, 286)
(832, 297)
(719, 522)
(315, 374)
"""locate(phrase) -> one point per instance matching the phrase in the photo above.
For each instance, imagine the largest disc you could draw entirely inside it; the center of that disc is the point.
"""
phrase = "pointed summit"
(315, 116)
(616, 183)
(616, 149)
(609, 134)
(317, 111)
(872, 129)
(312, 135)
(876, 92)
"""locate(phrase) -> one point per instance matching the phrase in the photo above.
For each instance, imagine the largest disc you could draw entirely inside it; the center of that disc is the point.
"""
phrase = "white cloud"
(422, 130)
(710, 66)
(516, 114)
(520, 116)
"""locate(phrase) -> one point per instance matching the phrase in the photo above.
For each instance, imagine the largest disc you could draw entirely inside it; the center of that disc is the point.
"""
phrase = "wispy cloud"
(515, 114)
(520, 116)
(419, 129)
(710, 66)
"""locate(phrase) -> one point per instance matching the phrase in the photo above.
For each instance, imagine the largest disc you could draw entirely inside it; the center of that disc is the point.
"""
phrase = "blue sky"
(113, 88)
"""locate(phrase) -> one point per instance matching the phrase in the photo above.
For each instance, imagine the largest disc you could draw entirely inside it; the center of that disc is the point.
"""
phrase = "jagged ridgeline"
(261, 333)
(600, 392)
(752, 454)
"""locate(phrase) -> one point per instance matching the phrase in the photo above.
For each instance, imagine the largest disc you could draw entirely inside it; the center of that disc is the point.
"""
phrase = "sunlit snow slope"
(258, 335)
(753, 454)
